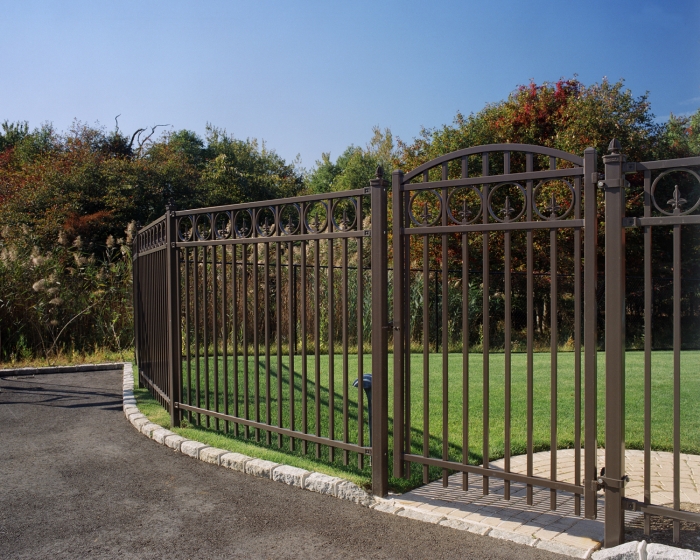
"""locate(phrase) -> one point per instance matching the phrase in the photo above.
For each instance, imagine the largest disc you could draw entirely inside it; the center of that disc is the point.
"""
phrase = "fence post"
(172, 280)
(614, 184)
(380, 295)
(400, 324)
(590, 332)
(136, 310)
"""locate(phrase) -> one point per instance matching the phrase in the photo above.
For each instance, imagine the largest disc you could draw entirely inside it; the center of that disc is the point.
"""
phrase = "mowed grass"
(348, 464)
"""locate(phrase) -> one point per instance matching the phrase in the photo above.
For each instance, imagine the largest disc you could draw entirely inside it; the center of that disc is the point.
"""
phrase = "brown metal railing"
(256, 301)
(662, 210)
(255, 318)
(150, 309)
(450, 209)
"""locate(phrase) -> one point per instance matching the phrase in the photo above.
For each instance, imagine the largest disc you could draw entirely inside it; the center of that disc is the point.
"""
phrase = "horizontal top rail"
(154, 223)
(275, 202)
(665, 164)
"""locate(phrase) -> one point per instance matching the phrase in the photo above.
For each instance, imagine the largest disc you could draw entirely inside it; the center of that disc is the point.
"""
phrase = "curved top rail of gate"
(531, 186)
(488, 148)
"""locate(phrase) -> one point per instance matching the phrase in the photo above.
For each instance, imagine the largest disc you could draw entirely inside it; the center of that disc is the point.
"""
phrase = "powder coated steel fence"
(444, 202)
(255, 318)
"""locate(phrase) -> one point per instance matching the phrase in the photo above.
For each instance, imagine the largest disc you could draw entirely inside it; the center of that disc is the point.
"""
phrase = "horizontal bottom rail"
(270, 428)
(492, 473)
(153, 386)
(661, 511)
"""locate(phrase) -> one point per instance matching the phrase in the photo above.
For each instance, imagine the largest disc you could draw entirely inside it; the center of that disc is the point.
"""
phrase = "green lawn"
(662, 409)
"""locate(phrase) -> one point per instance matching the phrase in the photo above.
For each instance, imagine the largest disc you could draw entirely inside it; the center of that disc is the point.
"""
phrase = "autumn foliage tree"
(66, 201)
(569, 116)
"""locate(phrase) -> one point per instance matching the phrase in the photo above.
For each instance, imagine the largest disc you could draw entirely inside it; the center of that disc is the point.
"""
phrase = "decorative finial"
(380, 172)
(614, 147)
(677, 201)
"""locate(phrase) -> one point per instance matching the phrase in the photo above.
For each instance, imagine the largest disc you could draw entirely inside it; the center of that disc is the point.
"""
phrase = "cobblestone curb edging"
(293, 476)
(390, 506)
(637, 550)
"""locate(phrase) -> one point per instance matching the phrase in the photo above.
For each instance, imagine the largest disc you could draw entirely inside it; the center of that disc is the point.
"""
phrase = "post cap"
(614, 147)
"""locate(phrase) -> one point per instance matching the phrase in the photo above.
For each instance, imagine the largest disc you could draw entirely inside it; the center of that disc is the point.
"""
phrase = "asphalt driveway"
(77, 481)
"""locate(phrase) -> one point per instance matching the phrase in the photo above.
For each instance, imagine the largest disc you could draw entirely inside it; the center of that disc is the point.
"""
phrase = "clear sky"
(310, 77)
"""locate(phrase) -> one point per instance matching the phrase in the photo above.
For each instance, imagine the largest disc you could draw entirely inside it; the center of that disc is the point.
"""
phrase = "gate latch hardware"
(604, 481)
(630, 222)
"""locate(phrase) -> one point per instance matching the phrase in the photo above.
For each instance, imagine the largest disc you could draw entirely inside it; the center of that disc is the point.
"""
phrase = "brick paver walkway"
(538, 521)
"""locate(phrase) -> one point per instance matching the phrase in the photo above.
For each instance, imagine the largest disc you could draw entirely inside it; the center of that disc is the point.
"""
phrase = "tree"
(355, 166)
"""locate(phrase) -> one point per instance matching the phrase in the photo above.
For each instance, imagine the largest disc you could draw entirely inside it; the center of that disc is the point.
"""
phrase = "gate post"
(590, 333)
(400, 329)
(173, 310)
(380, 296)
(614, 344)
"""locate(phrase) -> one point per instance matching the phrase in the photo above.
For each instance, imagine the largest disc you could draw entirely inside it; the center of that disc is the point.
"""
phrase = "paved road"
(77, 481)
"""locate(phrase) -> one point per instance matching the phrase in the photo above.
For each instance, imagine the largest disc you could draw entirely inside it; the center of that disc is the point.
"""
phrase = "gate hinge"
(632, 505)
(630, 222)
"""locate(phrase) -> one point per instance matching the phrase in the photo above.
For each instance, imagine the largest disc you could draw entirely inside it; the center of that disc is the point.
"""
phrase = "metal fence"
(262, 319)
(451, 200)
(151, 309)
(262, 294)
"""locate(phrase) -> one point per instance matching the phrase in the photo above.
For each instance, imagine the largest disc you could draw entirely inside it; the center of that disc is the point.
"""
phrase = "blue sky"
(309, 77)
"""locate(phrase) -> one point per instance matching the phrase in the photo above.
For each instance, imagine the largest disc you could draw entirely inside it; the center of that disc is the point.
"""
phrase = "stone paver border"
(640, 550)
(293, 476)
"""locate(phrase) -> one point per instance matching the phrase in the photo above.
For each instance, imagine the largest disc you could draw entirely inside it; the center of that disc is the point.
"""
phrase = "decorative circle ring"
(554, 206)
(243, 229)
(677, 200)
(344, 224)
(426, 221)
(222, 225)
(186, 234)
(266, 229)
(507, 209)
(290, 228)
(199, 224)
(465, 210)
(316, 227)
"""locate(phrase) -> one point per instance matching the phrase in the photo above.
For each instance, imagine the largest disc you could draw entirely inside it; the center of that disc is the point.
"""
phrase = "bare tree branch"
(153, 129)
(138, 131)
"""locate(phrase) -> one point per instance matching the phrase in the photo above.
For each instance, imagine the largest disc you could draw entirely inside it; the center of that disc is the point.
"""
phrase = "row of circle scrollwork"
(268, 221)
(507, 214)
(153, 237)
